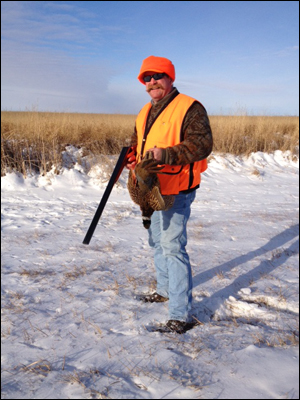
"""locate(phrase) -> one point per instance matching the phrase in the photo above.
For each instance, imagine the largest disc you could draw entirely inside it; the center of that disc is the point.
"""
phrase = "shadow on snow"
(265, 267)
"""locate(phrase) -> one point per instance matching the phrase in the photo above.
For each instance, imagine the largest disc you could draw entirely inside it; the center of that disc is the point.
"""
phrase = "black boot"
(178, 326)
(152, 298)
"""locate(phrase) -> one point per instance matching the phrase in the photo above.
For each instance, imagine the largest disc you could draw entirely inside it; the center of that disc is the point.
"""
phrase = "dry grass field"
(34, 141)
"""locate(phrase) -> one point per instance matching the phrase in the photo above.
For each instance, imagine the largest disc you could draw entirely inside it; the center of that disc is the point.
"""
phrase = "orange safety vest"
(166, 131)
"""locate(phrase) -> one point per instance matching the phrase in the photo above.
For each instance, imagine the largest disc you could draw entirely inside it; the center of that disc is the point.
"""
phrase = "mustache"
(152, 87)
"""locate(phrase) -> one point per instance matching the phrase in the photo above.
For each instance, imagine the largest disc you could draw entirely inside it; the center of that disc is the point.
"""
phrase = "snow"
(71, 325)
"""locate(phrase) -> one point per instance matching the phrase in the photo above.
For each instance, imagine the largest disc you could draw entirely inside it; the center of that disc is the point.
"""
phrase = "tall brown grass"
(242, 135)
(34, 141)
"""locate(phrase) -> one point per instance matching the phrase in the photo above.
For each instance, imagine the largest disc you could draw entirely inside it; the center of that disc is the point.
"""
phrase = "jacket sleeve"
(197, 141)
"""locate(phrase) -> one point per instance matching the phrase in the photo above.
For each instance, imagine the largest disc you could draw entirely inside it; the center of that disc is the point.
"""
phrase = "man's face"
(158, 89)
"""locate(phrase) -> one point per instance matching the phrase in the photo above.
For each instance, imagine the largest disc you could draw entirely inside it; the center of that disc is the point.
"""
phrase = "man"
(176, 129)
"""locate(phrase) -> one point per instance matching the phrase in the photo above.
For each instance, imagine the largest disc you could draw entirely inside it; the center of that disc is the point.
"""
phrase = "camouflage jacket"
(197, 143)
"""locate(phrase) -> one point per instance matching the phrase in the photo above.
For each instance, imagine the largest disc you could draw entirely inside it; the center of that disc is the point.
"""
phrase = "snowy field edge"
(71, 326)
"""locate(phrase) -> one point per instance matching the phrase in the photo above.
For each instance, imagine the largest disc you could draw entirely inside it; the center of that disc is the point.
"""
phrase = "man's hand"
(157, 153)
(131, 160)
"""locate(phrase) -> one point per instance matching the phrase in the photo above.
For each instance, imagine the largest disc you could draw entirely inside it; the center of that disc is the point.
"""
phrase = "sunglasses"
(156, 77)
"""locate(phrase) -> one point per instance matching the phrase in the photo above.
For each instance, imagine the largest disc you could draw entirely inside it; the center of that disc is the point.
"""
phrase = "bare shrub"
(34, 141)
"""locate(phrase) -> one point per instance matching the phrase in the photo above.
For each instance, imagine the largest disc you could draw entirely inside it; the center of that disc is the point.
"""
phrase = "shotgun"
(113, 179)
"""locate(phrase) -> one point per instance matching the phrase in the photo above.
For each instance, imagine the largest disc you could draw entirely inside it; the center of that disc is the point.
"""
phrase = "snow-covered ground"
(71, 326)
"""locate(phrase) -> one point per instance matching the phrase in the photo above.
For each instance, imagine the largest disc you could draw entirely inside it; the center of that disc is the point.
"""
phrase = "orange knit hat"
(157, 64)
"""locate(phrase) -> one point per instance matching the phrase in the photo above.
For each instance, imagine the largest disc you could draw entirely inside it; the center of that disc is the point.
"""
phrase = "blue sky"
(75, 56)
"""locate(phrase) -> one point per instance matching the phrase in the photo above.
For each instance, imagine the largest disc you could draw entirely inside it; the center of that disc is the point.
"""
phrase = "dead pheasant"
(144, 189)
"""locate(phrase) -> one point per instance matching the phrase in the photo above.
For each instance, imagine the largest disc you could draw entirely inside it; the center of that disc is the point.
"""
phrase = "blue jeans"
(168, 237)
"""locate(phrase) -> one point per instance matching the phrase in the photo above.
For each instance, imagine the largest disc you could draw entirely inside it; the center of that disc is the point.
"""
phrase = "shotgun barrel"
(113, 179)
